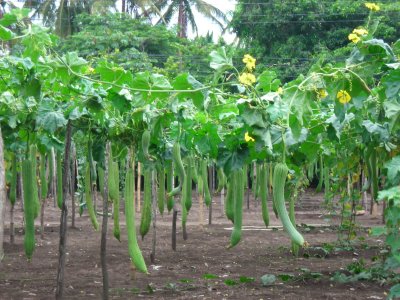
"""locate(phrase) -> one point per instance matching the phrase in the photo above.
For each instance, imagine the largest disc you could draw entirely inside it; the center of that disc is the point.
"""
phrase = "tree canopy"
(288, 35)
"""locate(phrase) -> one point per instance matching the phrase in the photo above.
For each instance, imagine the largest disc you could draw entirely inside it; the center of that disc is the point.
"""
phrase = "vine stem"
(64, 215)
(207, 87)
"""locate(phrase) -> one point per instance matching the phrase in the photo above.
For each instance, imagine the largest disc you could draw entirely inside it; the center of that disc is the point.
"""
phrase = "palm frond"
(211, 12)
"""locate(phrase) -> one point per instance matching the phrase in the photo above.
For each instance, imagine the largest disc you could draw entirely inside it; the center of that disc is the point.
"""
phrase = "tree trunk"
(123, 8)
(64, 215)
(154, 212)
(3, 196)
(103, 246)
(182, 20)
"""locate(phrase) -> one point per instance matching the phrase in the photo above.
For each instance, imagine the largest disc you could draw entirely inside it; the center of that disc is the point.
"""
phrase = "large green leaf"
(393, 170)
(220, 60)
(268, 82)
(188, 82)
(5, 33)
(50, 119)
(392, 83)
(392, 112)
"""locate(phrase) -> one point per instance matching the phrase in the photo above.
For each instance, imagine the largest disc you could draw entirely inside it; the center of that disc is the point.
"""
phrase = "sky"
(204, 25)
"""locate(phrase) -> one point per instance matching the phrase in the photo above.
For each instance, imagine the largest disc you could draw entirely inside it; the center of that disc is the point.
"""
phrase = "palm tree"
(61, 13)
(184, 9)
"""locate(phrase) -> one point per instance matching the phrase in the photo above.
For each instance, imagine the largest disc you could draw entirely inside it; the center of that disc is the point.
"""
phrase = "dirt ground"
(201, 267)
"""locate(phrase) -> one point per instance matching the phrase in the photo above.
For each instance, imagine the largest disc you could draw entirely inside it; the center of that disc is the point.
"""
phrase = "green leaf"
(230, 282)
(394, 292)
(378, 231)
(268, 82)
(253, 117)
(188, 82)
(392, 193)
(268, 279)
(393, 170)
(376, 47)
(392, 83)
(5, 33)
(220, 60)
(245, 279)
(50, 119)
(232, 160)
(286, 277)
(392, 112)
(210, 276)
(378, 130)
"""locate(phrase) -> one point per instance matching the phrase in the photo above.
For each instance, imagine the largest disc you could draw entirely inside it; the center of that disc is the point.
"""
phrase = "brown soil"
(182, 274)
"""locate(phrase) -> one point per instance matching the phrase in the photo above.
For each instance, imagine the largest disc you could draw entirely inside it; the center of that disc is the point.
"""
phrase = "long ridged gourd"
(146, 211)
(292, 217)
(59, 180)
(194, 166)
(113, 181)
(32, 154)
(43, 179)
(170, 186)
(117, 230)
(51, 170)
(245, 176)
(93, 172)
(258, 181)
(374, 175)
(221, 179)
(188, 182)
(176, 156)
(204, 175)
(321, 175)
(264, 193)
(183, 204)
(13, 183)
(271, 179)
(280, 174)
(239, 193)
(29, 208)
(230, 198)
(88, 198)
(161, 190)
(254, 178)
(327, 195)
(100, 173)
(133, 247)
(146, 144)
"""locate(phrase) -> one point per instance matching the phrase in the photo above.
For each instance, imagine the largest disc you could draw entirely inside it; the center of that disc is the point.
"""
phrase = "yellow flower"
(247, 79)
(250, 62)
(289, 176)
(248, 138)
(90, 70)
(360, 31)
(280, 91)
(372, 6)
(343, 97)
(322, 93)
(354, 38)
